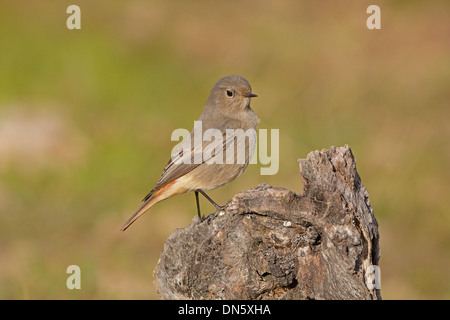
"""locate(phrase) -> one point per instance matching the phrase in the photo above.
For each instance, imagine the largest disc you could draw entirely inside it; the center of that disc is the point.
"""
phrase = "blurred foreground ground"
(86, 117)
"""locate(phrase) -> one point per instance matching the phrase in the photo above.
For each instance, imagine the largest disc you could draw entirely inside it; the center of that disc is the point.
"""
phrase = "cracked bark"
(271, 243)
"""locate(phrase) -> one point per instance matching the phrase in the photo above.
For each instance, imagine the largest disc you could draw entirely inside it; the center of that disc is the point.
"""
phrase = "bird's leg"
(198, 207)
(218, 208)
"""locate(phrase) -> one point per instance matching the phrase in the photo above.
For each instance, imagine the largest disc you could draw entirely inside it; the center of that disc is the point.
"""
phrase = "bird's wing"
(182, 162)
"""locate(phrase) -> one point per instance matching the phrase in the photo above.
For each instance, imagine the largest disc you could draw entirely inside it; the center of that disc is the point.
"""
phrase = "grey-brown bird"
(227, 109)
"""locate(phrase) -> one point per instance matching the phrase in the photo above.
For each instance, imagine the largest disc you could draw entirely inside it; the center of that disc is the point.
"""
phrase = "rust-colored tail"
(147, 204)
(160, 194)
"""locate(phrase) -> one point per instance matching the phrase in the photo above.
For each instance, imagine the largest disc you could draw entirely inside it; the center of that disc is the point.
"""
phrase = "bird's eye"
(230, 93)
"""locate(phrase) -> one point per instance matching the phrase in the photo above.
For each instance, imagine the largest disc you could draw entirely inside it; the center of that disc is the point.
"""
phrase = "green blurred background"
(86, 117)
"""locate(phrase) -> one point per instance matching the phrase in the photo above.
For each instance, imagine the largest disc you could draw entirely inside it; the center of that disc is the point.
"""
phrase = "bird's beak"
(250, 95)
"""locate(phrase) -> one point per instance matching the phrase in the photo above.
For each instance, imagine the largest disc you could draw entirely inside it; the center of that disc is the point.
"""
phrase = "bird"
(227, 109)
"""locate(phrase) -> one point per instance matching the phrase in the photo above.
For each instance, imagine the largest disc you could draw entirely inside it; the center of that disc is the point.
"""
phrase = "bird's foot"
(220, 210)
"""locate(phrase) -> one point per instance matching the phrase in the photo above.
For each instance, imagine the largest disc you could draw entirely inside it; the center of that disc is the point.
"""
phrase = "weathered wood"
(271, 243)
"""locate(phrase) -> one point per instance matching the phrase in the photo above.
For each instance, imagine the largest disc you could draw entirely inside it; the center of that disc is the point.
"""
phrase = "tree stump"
(271, 243)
